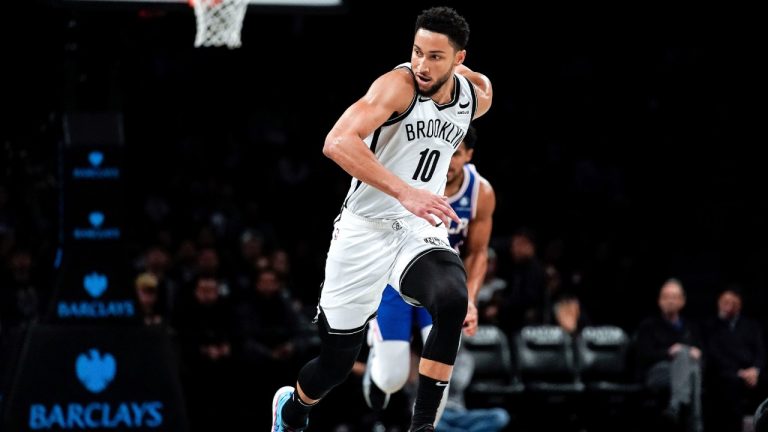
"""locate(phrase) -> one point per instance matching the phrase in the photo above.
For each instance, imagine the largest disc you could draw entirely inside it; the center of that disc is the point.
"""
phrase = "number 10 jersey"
(416, 146)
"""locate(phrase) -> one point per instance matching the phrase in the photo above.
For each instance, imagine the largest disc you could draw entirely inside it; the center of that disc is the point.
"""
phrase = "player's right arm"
(390, 93)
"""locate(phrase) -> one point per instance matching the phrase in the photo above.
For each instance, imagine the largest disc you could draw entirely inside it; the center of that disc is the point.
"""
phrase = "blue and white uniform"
(395, 318)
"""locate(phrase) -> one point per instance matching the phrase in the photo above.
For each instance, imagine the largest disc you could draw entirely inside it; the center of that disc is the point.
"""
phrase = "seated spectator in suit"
(669, 354)
(735, 357)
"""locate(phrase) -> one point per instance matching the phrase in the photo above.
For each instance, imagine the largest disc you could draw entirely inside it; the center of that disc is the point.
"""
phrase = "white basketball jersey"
(416, 146)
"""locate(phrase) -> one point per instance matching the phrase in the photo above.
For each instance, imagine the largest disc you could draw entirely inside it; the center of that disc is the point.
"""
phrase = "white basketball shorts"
(367, 254)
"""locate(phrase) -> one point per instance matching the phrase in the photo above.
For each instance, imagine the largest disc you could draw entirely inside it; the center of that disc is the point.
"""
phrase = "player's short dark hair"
(470, 139)
(446, 21)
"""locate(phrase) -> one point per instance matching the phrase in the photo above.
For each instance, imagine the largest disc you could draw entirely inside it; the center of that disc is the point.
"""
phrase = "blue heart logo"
(96, 218)
(95, 158)
(95, 284)
(94, 370)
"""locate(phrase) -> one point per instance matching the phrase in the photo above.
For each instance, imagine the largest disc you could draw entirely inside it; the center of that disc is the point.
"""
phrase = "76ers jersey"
(464, 203)
(417, 146)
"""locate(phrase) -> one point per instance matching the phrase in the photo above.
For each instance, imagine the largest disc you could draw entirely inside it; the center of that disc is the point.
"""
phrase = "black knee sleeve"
(337, 356)
(437, 280)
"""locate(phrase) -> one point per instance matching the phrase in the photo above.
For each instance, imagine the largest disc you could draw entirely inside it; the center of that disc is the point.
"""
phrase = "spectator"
(524, 300)
(22, 298)
(270, 338)
(146, 291)
(492, 288)
(669, 355)
(736, 357)
(205, 327)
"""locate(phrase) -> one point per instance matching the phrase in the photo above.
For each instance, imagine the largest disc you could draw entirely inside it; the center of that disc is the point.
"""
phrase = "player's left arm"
(483, 88)
(476, 250)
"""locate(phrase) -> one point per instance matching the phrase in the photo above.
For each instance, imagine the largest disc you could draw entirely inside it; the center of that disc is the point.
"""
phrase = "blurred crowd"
(619, 162)
(239, 305)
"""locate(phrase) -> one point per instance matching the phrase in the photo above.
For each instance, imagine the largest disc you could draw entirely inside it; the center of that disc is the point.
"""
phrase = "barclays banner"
(94, 281)
(91, 365)
(94, 286)
(94, 165)
(86, 378)
(92, 179)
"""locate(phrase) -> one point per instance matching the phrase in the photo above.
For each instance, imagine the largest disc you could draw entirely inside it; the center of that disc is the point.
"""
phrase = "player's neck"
(445, 94)
(452, 187)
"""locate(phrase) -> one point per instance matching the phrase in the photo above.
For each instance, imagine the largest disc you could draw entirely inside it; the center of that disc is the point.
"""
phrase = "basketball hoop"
(219, 22)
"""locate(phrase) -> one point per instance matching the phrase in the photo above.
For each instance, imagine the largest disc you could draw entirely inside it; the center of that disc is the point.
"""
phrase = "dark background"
(628, 139)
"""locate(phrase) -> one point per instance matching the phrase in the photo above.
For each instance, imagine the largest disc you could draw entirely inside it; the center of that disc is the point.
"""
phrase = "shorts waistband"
(380, 224)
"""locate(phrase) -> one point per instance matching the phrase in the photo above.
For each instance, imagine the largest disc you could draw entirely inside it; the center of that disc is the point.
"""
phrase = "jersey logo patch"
(435, 241)
(463, 105)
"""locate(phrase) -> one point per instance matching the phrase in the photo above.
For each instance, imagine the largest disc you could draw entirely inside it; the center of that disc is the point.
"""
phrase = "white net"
(219, 22)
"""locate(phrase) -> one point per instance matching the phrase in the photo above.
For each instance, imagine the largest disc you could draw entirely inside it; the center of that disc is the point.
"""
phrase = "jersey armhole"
(397, 117)
(474, 97)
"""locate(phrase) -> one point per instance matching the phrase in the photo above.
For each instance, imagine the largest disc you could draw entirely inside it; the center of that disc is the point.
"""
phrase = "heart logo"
(95, 158)
(95, 284)
(96, 218)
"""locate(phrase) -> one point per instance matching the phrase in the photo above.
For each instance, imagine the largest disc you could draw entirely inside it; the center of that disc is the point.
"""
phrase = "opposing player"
(396, 142)
(474, 201)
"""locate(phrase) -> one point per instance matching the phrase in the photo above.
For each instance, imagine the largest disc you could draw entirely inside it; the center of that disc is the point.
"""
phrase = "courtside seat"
(545, 359)
(602, 355)
(495, 374)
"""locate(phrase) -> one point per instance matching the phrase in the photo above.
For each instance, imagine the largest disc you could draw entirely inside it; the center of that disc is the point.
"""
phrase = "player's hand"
(428, 206)
(470, 321)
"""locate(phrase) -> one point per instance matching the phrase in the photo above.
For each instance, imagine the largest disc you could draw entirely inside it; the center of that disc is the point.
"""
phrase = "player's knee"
(391, 365)
(438, 281)
(391, 379)
(451, 308)
(448, 307)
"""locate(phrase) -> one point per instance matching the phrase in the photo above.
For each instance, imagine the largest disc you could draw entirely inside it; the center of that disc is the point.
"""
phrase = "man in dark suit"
(669, 353)
(736, 357)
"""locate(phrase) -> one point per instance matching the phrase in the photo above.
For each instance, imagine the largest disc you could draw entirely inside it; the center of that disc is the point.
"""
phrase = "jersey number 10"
(427, 162)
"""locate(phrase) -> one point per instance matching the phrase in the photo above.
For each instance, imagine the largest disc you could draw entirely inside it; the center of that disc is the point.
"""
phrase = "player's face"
(458, 160)
(432, 59)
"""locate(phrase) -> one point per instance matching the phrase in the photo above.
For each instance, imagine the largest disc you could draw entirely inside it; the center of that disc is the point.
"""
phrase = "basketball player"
(473, 200)
(396, 142)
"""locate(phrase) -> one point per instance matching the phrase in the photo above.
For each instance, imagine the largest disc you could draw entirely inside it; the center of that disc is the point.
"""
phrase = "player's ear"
(460, 56)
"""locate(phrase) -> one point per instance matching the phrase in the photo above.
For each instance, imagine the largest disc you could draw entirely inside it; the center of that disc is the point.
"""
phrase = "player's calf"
(438, 281)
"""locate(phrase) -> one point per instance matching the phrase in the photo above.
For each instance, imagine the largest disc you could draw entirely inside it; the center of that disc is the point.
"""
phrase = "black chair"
(602, 355)
(546, 361)
(547, 368)
(495, 378)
